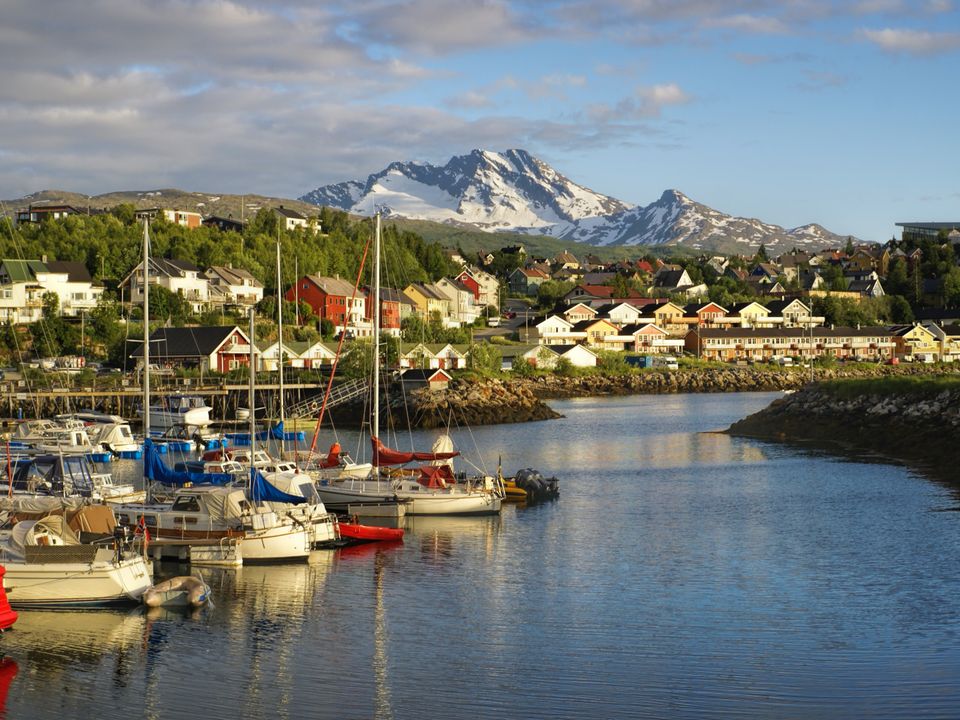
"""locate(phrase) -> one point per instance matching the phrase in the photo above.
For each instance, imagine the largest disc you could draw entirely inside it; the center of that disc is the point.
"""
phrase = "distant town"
(892, 302)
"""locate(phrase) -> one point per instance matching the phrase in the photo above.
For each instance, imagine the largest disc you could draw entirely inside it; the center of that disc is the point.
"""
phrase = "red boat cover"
(333, 457)
(436, 476)
(382, 455)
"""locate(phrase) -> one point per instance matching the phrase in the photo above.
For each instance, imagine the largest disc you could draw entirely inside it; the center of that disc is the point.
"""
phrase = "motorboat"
(179, 410)
(114, 437)
(59, 475)
(47, 565)
(206, 513)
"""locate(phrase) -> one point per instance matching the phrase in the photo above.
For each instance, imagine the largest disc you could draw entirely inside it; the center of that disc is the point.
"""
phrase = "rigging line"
(336, 360)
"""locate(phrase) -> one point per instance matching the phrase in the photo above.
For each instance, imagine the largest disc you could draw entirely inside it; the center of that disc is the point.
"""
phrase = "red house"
(469, 282)
(330, 299)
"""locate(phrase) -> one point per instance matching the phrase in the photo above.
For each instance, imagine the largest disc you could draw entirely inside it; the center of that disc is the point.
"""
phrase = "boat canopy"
(261, 490)
(382, 455)
(155, 469)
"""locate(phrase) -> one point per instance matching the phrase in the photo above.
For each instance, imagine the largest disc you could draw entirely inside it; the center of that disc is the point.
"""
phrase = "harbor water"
(682, 573)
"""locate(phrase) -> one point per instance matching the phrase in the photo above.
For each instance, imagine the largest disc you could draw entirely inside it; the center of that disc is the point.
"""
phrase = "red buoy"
(7, 614)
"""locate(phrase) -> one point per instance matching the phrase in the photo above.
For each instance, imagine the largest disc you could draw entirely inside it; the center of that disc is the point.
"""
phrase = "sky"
(843, 113)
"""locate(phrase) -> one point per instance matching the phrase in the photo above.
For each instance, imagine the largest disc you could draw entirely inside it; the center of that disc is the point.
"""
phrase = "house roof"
(232, 275)
(75, 271)
(188, 342)
(22, 270)
(288, 213)
(669, 278)
(333, 286)
(509, 352)
(776, 307)
(562, 350)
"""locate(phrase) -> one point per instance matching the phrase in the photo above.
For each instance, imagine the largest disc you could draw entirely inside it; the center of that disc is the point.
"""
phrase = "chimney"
(43, 259)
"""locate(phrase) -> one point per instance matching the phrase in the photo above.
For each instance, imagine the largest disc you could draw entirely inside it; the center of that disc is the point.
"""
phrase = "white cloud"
(913, 42)
(755, 24)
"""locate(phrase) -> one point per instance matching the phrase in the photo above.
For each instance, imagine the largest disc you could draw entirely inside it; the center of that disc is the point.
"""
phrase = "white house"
(228, 285)
(463, 310)
(23, 283)
(557, 330)
(177, 276)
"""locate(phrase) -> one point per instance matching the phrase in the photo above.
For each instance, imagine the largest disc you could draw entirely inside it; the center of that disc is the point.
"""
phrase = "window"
(186, 503)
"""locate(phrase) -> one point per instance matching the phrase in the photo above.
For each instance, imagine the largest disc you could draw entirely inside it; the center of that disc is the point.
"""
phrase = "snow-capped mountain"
(510, 191)
(514, 191)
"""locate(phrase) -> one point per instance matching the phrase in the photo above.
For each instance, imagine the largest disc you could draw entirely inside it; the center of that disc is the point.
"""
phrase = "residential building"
(428, 301)
(916, 343)
(230, 286)
(463, 311)
(177, 276)
(185, 218)
(23, 283)
(214, 348)
(764, 344)
(291, 219)
(37, 212)
(333, 299)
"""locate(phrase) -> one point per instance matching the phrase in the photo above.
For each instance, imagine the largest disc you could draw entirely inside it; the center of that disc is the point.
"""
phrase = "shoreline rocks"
(917, 425)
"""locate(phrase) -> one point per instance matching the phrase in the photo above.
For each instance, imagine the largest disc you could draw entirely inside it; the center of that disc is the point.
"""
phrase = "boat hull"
(93, 584)
(442, 503)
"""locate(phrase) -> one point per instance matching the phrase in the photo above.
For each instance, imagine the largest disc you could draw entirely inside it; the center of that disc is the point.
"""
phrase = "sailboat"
(430, 489)
(216, 510)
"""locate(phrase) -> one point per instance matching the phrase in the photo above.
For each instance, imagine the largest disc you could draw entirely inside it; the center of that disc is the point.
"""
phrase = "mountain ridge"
(516, 192)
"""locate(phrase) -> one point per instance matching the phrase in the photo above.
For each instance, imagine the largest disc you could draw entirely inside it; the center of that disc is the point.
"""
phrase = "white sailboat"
(431, 489)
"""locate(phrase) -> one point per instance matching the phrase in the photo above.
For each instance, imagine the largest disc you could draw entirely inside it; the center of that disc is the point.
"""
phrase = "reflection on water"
(681, 574)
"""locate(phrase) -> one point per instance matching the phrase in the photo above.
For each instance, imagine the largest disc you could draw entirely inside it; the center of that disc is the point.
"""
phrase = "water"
(681, 574)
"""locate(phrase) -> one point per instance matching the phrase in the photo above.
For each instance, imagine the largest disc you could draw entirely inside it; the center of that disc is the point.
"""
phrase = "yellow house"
(599, 333)
(949, 339)
(916, 343)
(427, 301)
(666, 315)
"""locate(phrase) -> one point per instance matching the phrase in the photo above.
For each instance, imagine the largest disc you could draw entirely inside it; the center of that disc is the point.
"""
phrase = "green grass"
(916, 385)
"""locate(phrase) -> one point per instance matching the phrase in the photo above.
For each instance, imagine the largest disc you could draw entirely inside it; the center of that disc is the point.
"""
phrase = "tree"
(484, 357)
(51, 304)
(900, 310)
(849, 247)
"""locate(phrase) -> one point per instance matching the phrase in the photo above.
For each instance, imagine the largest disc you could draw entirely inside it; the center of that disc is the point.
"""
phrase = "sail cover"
(155, 469)
(382, 455)
(261, 490)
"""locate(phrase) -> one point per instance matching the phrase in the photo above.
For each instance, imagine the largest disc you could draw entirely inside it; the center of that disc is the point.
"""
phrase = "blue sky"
(842, 113)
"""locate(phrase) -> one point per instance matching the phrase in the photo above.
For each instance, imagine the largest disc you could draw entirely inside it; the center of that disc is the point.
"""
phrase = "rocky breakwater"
(472, 402)
(697, 380)
(912, 419)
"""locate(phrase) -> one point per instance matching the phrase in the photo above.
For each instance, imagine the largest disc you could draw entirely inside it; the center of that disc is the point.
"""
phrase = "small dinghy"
(181, 591)
(355, 532)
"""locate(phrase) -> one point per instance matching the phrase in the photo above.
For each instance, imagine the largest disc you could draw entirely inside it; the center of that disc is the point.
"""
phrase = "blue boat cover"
(261, 490)
(155, 469)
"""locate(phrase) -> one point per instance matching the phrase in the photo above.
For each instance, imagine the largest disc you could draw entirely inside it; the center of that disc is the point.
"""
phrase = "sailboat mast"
(280, 352)
(146, 328)
(376, 334)
(250, 392)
